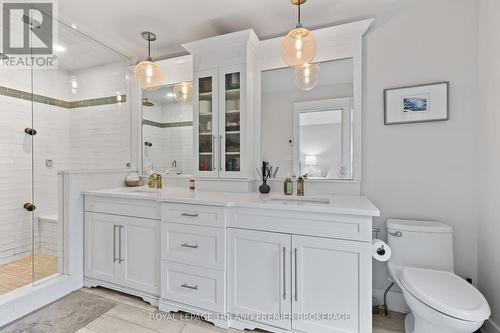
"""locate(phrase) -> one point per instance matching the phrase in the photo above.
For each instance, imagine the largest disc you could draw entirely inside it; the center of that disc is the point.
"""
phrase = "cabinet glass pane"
(206, 124)
(232, 121)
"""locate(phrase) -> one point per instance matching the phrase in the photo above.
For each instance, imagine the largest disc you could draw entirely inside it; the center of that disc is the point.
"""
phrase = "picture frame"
(417, 104)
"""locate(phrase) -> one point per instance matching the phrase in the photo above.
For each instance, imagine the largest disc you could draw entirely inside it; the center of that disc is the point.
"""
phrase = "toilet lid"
(446, 293)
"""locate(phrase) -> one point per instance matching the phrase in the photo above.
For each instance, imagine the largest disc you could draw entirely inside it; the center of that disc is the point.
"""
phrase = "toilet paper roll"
(380, 250)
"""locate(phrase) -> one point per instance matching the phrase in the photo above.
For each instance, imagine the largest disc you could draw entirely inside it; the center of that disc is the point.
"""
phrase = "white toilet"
(422, 266)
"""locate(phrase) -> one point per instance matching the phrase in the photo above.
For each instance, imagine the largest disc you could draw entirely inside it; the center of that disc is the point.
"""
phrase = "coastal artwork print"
(416, 104)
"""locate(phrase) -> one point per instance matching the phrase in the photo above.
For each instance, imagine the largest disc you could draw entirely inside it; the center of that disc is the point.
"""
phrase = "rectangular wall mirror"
(167, 130)
(309, 133)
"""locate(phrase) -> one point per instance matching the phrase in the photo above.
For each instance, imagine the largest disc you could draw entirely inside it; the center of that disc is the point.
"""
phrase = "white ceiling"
(119, 23)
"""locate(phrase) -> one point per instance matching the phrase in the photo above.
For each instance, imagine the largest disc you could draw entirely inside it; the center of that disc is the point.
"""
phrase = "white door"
(259, 274)
(232, 122)
(333, 278)
(101, 247)
(139, 255)
(205, 124)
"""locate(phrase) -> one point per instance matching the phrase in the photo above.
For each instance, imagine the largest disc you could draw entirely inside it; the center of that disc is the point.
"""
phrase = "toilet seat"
(446, 293)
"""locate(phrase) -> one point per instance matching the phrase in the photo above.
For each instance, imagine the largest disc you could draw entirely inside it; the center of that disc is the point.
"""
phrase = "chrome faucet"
(173, 164)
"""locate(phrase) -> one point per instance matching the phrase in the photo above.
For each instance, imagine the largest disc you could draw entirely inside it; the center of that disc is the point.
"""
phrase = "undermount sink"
(299, 200)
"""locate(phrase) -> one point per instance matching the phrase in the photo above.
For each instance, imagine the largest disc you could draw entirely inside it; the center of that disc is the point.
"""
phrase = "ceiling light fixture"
(59, 48)
(299, 45)
(307, 76)
(147, 73)
(183, 92)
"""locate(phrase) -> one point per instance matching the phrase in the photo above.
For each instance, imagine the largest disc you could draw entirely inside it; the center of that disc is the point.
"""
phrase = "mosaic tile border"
(60, 103)
(167, 125)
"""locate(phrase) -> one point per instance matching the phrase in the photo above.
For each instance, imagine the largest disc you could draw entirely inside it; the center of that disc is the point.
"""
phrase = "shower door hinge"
(30, 131)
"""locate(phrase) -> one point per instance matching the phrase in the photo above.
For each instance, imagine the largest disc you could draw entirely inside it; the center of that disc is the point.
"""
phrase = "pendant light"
(183, 92)
(299, 46)
(307, 76)
(147, 73)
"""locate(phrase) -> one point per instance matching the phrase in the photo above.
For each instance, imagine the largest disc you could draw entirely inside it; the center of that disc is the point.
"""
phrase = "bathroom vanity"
(239, 258)
(243, 260)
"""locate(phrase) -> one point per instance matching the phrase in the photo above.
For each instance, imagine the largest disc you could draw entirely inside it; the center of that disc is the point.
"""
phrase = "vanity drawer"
(195, 286)
(194, 245)
(318, 224)
(148, 209)
(194, 214)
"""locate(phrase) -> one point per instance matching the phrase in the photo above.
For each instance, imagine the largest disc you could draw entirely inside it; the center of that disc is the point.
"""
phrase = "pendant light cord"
(299, 24)
(149, 48)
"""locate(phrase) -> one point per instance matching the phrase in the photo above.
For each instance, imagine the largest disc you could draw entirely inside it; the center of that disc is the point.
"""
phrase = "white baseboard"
(395, 300)
(490, 327)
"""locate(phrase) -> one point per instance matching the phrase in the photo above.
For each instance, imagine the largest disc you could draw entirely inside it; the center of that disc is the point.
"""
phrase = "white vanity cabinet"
(193, 258)
(259, 274)
(224, 70)
(331, 276)
(122, 252)
(294, 275)
(246, 264)
(220, 122)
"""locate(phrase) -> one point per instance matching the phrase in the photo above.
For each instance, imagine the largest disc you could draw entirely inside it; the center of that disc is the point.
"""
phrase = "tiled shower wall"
(173, 142)
(76, 138)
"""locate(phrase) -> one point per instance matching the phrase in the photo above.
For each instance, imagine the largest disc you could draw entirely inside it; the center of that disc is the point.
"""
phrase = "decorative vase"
(264, 188)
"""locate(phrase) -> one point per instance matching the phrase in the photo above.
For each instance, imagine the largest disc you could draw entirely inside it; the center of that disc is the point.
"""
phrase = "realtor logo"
(28, 33)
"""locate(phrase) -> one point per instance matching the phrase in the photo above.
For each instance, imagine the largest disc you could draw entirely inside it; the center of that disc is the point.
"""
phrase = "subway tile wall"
(94, 137)
(169, 143)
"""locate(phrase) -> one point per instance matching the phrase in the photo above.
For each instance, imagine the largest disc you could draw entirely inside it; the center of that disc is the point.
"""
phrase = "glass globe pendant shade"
(298, 47)
(307, 76)
(183, 92)
(148, 75)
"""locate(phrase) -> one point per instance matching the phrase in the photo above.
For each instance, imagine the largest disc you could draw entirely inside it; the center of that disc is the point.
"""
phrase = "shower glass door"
(74, 113)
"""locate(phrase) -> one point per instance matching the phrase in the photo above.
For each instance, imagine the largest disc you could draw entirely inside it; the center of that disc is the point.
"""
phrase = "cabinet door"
(205, 126)
(101, 247)
(140, 254)
(331, 277)
(259, 274)
(232, 117)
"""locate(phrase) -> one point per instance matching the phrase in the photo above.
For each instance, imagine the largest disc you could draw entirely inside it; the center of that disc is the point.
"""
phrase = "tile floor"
(132, 315)
(20, 272)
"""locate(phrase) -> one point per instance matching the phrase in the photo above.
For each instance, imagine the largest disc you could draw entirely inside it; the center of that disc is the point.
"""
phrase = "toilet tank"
(423, 244)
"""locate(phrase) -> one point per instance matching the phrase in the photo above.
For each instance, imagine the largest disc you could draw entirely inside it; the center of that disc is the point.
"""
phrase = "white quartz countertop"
(342, 204)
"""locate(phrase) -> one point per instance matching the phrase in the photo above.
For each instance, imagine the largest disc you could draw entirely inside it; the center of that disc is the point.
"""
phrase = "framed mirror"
(309, 133)
(167, 130)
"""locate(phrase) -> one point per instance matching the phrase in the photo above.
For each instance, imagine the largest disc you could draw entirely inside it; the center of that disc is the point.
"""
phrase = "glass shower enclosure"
(72, 113)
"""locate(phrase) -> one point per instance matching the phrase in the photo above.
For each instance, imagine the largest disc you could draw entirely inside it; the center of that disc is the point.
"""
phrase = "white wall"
(489, 88)
(425, 171)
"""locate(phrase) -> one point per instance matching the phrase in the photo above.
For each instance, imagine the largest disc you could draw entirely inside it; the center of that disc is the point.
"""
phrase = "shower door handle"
(29, 207)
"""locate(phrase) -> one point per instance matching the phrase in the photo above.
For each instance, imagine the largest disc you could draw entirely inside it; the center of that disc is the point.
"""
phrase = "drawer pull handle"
(187, 286)
(190, 214)
(190, 246)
